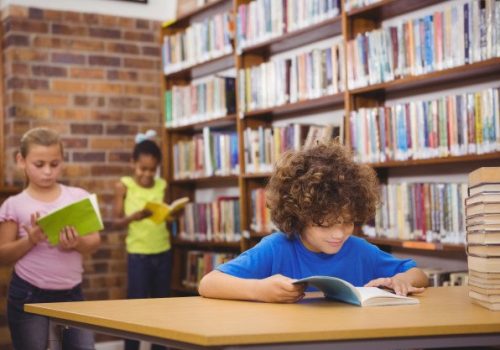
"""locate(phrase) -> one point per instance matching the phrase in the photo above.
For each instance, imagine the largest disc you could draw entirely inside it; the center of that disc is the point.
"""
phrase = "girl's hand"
(68, 238)
(141, 214)
(279, 289)
(399, 285)
(35, 233)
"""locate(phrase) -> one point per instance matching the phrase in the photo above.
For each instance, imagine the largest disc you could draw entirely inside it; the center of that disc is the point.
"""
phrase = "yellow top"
(145, 236)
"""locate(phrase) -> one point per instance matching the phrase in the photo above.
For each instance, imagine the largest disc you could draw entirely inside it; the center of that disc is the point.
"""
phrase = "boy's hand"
(35, 233)
(399, 285)
(68, 238)
(279, 289)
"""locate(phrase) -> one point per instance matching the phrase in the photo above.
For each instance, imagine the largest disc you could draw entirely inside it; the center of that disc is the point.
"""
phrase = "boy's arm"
(274, 289)
(412, 281)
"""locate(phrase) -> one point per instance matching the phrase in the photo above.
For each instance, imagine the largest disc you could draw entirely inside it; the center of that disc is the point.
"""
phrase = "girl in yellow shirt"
(148, 243)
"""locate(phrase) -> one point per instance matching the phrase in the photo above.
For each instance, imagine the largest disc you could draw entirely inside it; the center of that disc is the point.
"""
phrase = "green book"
(83, 215)
(168, 107)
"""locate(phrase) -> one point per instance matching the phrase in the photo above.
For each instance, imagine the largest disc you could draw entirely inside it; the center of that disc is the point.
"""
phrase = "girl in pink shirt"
(42, 273)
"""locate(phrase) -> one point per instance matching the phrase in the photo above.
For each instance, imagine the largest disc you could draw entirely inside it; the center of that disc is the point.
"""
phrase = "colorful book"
(340, 290)
(83, 215)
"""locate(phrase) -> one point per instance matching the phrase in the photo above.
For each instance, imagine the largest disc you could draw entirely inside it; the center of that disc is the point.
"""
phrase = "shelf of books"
(422, 91)
(405, 84)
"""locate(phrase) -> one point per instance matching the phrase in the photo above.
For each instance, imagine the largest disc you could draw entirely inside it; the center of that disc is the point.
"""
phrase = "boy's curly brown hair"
(320, 185)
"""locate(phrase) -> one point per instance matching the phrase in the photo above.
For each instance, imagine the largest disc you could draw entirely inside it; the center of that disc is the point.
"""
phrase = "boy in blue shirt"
(315, 196)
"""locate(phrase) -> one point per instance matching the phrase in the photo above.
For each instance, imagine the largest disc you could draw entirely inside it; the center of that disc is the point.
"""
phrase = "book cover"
(484, 175)
(83, 215)
(340, 290)
(162, 211)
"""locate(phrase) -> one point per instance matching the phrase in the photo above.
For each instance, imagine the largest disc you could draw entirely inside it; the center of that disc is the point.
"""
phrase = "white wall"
(160, 10)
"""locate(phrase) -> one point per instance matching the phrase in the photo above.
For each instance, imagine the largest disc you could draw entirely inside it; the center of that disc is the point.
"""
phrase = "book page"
(373, 296)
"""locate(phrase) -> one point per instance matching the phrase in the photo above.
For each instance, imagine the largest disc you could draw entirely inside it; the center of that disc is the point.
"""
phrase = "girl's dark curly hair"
(146, 147)
(320, 185)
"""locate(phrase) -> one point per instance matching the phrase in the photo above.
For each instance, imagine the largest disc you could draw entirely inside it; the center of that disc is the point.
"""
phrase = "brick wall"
(97, 80)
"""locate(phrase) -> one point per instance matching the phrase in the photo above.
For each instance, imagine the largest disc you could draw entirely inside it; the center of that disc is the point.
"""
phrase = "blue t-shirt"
(357, 262)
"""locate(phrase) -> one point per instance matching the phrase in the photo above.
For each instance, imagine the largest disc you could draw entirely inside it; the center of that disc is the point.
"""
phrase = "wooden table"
(446, 317)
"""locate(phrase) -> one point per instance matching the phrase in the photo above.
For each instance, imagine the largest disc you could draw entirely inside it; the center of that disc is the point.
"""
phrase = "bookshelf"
(262, 60)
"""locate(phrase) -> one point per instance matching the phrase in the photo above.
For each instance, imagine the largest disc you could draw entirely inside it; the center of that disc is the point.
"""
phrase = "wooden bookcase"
(347, 25)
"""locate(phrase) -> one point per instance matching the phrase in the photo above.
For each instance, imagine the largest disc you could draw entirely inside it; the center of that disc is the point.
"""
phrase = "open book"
(338, 289)
(83, 215)
(162, 211)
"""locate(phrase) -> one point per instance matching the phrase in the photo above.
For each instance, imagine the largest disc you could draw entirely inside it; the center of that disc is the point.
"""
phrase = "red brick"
(35, 13)
(25, 25)
(35, 112)
(106, 115)
(89, 157)
(139, 36)
(50, 99)
(110, 61)
(67, 58)
(111, 143)
(119, 157)
(142, 116)
(142, 24)
(63, 29)
(47, 41)
(108, 170)
(151, 77)
(70, 114)
(16, 11)
(91, 18)
(69, 86)
(126, 22)
(89, 101)
(49, 71)
(32, 84)
(105, 33)
(72, 17)
(122, 75)
(151, 51)
(52, 15)
(142, 90)
(123, 48)
(17, 69)
(139, 63)
(151, 104)
(68, 44)
(17, 40)
(122, 129)
(105, 88)
(108, 21)
(124, 102)
(19, 127)
(75, 142)
(74, 170)
(87, 129)
(24, 55)
(19, 97)
(87, 73)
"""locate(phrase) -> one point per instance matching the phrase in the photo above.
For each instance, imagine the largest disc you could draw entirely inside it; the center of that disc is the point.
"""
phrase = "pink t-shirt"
(44, 266)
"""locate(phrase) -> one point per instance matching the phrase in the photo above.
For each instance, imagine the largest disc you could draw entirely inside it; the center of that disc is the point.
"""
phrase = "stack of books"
(482, 209)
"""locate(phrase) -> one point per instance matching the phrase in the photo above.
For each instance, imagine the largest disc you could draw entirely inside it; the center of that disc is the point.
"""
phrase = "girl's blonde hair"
(39, 136)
